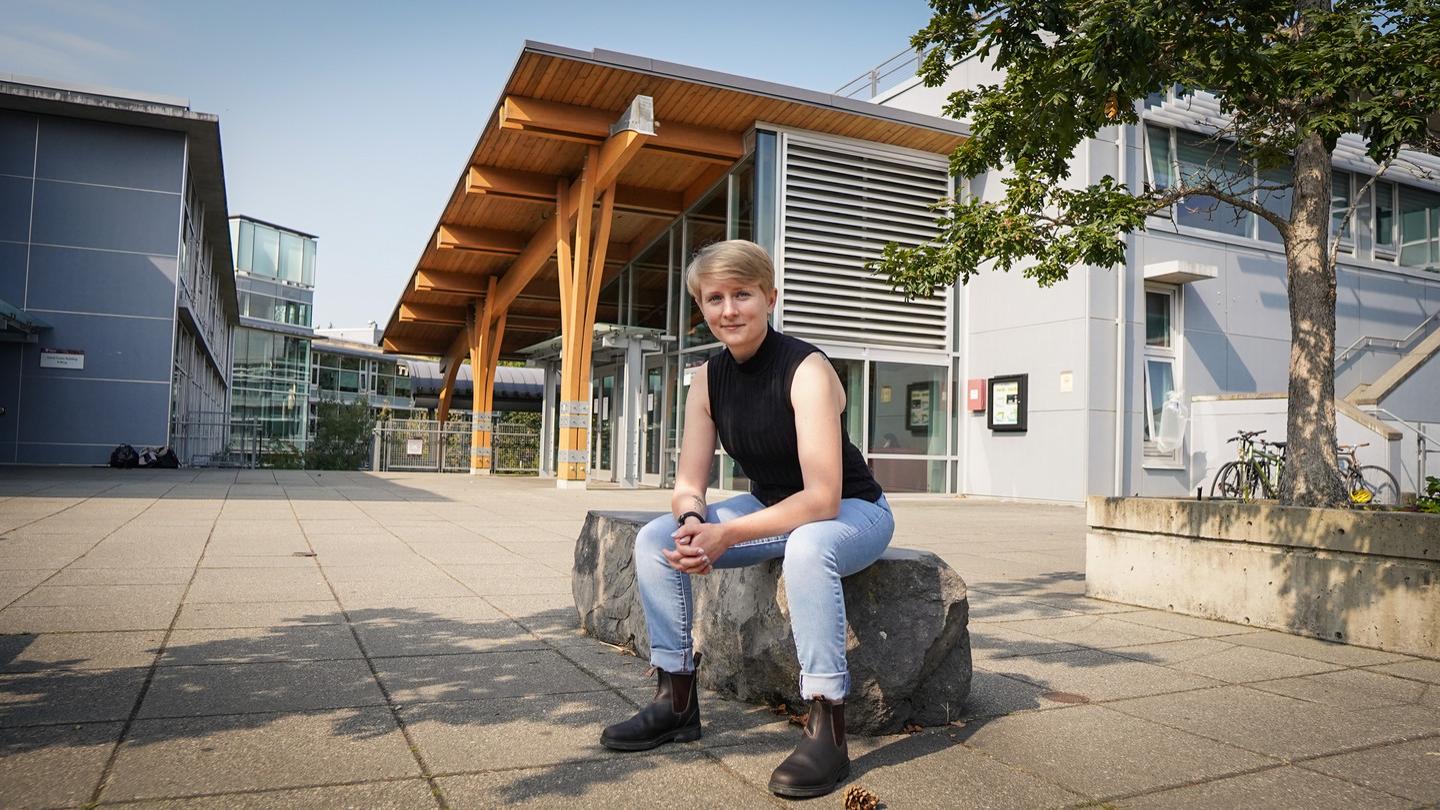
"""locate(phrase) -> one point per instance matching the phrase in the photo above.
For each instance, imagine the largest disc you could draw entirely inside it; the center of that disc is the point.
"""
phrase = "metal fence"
(215, 439)
(424, 445)
(883, 76)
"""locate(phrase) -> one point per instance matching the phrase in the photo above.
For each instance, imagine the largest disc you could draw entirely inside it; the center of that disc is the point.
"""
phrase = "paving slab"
(678, 779)
(519, 732)
(1327, 651)
(1098, 752)
(1416, 669)
(32, 653)
(258, 585)
(252, 645)
(1098, 675)
(406, 794)
(1237, 664)
(377, 593)
(1272, 724)
(1409, 769)
(1189, 625)
(1283, 787)
(68, 696)
(1094, 631)
(81, 618)
(995, 695)
(257, 614)
(1349, 689)
(53, 766)
(86, 595)
(180, 757)
(122, 576)
(187, 691)
(390, 638)
(481, 676)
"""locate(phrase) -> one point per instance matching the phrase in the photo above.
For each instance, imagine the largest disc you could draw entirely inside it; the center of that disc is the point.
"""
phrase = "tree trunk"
(1312, 474)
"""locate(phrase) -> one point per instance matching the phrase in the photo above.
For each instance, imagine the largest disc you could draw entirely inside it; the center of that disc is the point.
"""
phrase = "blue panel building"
(117, 300)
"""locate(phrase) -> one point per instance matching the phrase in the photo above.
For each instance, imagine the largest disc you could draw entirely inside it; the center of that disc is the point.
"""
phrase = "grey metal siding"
(106, 218)
(110, 155)
(93, 281)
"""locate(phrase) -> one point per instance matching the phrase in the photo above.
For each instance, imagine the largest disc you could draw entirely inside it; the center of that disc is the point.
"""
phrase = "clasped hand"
(697, 547)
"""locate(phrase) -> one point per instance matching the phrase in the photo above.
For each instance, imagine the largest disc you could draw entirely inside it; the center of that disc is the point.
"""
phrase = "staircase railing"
(1366, 341)
(1422, 439)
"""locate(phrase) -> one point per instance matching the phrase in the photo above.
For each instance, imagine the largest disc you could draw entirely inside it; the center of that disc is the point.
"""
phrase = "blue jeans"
(816, 556)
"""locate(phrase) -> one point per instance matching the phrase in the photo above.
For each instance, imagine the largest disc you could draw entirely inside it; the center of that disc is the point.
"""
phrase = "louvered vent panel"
(841, 208)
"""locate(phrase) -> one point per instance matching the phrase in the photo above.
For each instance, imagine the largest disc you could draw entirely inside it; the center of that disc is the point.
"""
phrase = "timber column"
(485, 337)
(580, 262)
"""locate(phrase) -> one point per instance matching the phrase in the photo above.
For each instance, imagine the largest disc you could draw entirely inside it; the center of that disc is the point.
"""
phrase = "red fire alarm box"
(975, 395)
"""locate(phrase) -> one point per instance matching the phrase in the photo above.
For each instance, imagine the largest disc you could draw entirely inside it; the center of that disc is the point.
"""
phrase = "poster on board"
(1008, 403)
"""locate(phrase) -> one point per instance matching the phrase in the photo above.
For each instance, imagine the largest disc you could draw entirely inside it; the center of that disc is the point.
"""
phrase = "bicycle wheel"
(1236, 480)
(1372, 485)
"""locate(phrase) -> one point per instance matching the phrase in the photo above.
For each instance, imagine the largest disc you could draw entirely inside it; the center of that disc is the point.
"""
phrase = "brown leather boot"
(821, 761)
(674, 715)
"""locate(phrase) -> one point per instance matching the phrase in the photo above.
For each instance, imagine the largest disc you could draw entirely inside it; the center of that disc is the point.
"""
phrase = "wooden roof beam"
(480, 240)
(619, 149)
(570, 122)
(438, 314)
(521, 186)
(411, 346)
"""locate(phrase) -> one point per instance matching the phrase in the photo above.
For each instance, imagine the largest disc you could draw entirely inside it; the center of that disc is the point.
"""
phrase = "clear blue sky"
(352, 120)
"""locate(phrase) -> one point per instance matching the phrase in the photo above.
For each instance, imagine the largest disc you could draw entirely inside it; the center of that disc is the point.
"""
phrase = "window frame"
(1173, 354)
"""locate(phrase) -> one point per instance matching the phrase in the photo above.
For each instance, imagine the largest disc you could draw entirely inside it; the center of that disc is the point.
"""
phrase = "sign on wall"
(414, 447)
(62, 358)
(1008, 403)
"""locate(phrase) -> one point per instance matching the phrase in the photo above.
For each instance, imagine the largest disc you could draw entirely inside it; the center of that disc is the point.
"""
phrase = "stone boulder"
(907, 640)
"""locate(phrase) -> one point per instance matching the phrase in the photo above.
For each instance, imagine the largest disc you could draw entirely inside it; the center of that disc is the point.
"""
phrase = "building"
(349, 370)
(114, 272)
(599, 174)
(1200, 308)
(645, 162)
(275, 282)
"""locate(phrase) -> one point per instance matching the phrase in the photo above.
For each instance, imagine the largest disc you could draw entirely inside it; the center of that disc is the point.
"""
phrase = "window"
(1419, 228)
(1198, 159)
(1340, 197)
(1162, 361)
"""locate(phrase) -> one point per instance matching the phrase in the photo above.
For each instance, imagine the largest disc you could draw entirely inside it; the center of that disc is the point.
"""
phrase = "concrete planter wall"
(1366, 578)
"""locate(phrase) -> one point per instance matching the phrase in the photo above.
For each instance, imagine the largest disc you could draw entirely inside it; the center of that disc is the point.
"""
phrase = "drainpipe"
(1122, 299)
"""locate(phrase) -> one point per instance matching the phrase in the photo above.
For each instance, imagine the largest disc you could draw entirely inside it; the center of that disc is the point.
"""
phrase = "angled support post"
(484, 357)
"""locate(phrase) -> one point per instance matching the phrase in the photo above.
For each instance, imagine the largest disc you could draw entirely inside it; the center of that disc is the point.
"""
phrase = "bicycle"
(1255, 473)
(1366, 484)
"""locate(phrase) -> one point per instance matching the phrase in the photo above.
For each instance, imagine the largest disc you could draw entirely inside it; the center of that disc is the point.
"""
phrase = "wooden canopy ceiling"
(557, 104)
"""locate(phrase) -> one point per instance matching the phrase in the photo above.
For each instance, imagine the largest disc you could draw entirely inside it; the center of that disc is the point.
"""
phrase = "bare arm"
(697, 449)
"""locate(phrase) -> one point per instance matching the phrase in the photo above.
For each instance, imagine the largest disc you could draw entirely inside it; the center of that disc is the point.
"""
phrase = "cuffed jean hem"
(673, 660)
(831, 687)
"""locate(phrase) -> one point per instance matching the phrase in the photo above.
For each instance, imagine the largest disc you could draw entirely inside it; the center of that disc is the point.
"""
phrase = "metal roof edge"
(731, 81)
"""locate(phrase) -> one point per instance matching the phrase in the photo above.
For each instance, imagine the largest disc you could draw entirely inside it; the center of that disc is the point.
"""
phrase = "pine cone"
(858, 798)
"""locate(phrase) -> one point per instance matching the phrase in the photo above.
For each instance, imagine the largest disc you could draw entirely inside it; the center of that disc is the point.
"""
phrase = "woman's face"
(736, 311)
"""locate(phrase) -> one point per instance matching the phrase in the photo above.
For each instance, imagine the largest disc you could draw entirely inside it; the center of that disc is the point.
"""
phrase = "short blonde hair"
(732, 260)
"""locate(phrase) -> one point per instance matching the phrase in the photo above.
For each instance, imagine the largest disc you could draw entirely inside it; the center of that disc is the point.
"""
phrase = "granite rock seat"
(907, 639)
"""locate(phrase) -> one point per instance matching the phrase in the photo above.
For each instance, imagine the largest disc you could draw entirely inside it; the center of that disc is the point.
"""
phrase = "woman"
(775, 404)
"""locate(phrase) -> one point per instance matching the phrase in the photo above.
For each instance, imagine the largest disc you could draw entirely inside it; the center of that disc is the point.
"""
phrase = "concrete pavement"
(282, 639)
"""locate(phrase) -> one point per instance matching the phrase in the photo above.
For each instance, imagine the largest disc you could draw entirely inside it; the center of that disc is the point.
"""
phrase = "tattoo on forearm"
(698, 503)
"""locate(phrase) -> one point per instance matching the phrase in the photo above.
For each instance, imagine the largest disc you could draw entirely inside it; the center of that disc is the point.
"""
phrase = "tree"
(343, 436)
(1290, 77)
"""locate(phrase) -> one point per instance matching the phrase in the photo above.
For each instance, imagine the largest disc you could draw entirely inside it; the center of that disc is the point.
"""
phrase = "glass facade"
(270, 386)
(1392, 222)
(344, 377)
(274, 282)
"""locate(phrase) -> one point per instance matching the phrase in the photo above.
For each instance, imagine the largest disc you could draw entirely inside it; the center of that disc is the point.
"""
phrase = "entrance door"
(605, 407)
(652, 425)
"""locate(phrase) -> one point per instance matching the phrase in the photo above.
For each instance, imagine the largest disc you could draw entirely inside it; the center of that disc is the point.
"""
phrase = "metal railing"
(1422, 440)
(883, 76)
(424, 445)
(515, 449)
(1366, 341)
(216, 439)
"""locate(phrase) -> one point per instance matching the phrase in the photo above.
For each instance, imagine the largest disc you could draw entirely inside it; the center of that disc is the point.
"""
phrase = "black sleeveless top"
(750, 404)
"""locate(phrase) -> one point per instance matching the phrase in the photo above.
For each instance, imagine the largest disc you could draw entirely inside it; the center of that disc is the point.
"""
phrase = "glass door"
(652, 427)
(604, 412)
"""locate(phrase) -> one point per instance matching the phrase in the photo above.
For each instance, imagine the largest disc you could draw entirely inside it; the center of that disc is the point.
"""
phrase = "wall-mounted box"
(975, 395)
